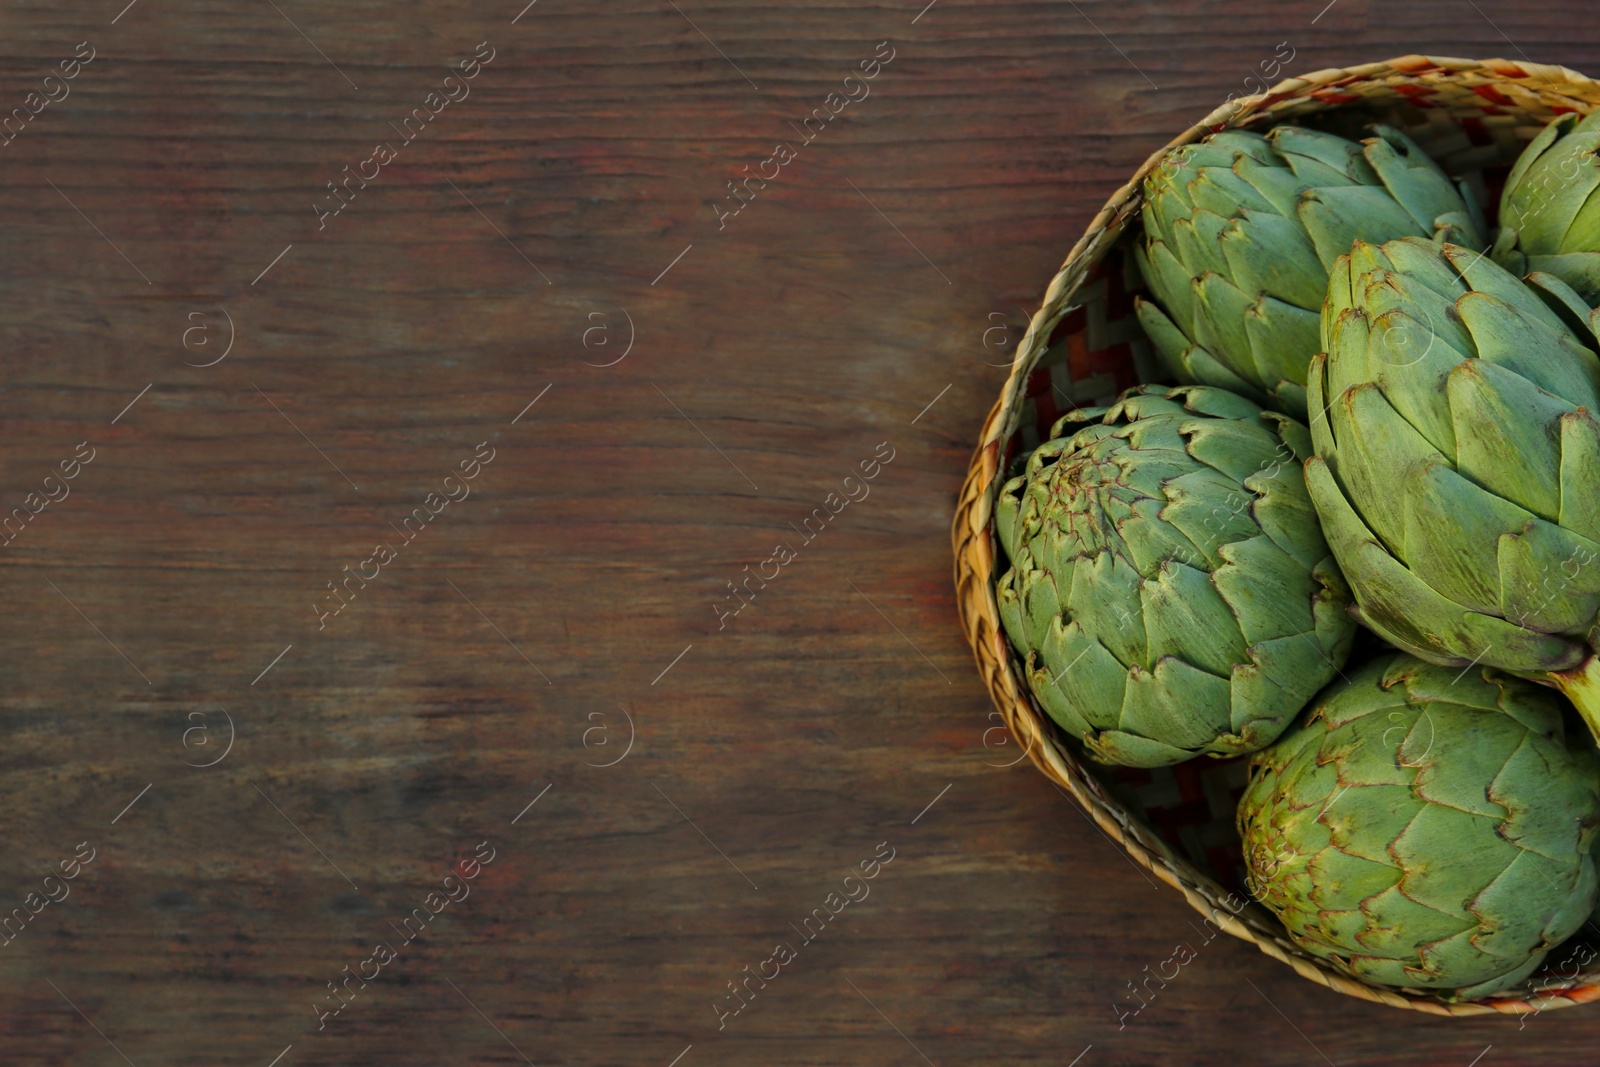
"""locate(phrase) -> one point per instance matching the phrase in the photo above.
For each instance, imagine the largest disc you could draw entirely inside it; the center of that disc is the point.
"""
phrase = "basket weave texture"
(1084, 345)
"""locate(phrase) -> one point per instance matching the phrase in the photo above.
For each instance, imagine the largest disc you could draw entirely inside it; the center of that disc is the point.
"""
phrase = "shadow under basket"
(1084, 346)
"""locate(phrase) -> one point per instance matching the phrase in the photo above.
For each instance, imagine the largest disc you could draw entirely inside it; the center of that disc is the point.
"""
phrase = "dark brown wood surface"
(531, 232)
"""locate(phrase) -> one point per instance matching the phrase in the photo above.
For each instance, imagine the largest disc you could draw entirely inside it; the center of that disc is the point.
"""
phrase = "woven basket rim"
(974, 549)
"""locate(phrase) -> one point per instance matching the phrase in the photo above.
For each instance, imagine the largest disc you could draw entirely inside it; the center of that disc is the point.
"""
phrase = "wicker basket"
(1084, 345)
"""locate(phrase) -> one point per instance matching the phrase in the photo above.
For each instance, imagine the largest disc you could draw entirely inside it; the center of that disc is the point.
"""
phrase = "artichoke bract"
(1550, 210)
(1169, 588)
(1426, 828)
(1457, 465)
(1241, 231)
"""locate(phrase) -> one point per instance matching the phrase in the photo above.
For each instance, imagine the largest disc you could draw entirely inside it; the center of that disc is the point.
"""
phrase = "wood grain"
(771, 359)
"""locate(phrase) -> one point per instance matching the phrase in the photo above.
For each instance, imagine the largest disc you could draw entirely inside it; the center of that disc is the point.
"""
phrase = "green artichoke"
(1169, 588)
(1457, 466)
(1241, 231)
(1426, 830)
(1550, 210)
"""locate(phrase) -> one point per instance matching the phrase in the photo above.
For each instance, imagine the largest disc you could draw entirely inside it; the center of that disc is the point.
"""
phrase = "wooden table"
(548, 275)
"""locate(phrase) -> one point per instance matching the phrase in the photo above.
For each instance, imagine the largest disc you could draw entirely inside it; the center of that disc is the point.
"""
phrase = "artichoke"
(1550, 210)
(1426, 830)
(1240, 234)
(1169, 588)
(1457, 466)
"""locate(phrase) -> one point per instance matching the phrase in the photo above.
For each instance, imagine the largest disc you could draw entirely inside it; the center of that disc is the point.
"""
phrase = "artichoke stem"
(1582, 686)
